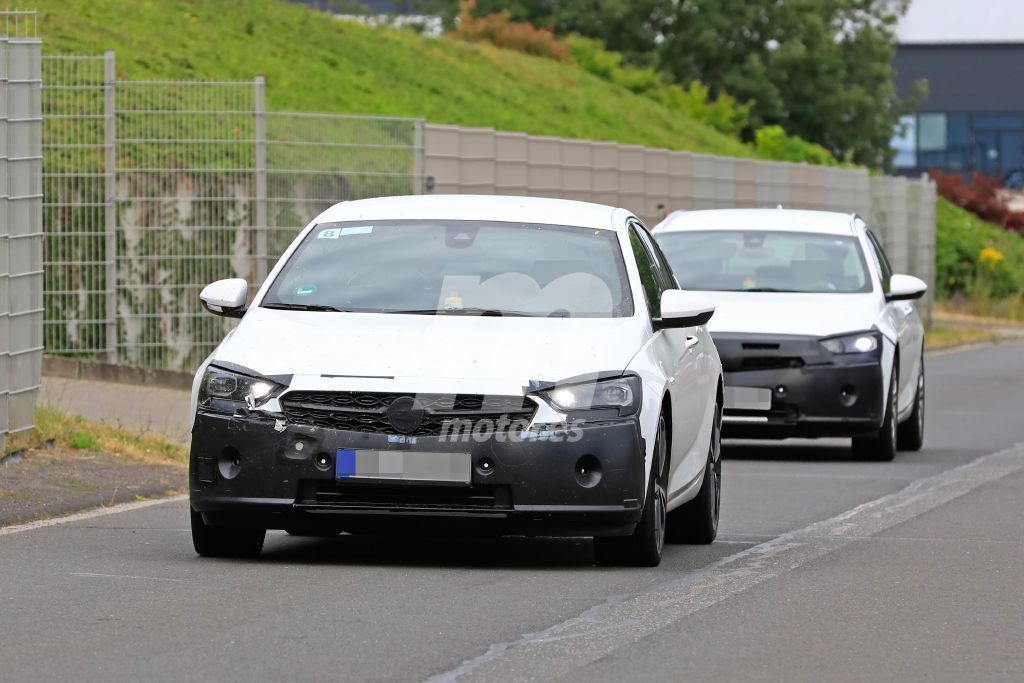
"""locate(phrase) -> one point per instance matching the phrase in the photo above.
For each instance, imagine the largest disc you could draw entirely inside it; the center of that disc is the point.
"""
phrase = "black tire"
(696, 521)
(882, 447)
(910, 434)
(643, 548)
(213, 541)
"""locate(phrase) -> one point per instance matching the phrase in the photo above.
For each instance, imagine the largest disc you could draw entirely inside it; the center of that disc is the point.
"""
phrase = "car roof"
(476, 207)
(795, 220)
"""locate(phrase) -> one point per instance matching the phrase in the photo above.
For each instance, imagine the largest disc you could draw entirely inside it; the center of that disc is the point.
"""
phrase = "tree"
(821, 69)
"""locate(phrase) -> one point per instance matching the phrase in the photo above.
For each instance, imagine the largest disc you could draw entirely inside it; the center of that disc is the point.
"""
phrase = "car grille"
(770, 363)
(369, 411)
(412, 498)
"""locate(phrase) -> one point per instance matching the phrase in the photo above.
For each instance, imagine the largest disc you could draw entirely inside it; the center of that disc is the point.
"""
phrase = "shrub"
(974, 258)
(772, 142)
(982, 197)
(498, 29)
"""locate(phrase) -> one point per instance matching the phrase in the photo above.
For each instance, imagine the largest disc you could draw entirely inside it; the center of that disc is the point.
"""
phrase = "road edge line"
(90, 514)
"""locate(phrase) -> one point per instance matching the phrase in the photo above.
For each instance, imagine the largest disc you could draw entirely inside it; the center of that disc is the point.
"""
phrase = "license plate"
(748, 398)
(451, 468)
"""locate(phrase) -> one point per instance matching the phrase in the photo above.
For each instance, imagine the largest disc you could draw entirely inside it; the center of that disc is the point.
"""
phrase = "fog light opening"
(322, 461)
(588, 471)
(848, 395)
(229, 462)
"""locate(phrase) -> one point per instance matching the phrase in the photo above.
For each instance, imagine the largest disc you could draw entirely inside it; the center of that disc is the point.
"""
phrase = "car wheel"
(883, 445)
(643, 548)
(213, 541)
(697, 521)
(910, 434)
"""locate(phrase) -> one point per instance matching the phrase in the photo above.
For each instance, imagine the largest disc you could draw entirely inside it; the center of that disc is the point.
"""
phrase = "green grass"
(979, 266)
(316, 63)
(76, 432)
(947, 336)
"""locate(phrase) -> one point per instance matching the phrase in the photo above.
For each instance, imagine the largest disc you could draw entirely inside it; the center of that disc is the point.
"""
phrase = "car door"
(905, 320)
(678, 353)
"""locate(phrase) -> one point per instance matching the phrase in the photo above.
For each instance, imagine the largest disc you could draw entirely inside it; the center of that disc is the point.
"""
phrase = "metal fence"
(156, 188)
(21, 249)
(484, 161)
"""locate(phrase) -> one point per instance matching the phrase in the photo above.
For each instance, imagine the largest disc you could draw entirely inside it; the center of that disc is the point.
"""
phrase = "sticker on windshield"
(357, 230)
(329, 234)
(305, 290)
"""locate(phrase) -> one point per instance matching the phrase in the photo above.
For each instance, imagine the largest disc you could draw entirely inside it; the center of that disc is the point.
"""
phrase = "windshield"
(765, 261)
(434, 267)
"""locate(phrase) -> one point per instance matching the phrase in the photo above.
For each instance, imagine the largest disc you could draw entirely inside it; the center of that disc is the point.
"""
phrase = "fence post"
(260, 171)
(417, 156)
(110, 198)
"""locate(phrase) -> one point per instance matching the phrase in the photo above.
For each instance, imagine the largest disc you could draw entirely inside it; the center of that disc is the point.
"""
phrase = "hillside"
(314, 62)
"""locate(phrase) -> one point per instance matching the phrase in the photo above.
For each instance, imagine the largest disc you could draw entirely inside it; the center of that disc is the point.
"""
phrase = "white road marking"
(619, 621)
(92, 575)
(90, 514)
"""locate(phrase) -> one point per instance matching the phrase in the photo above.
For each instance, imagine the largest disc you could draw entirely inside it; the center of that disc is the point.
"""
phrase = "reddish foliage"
(498, 29)
(982, 197)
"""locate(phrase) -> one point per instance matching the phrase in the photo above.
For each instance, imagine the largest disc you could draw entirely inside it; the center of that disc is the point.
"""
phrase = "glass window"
(458, 268)
(765, 261)
(905, 143)
(884, 269)
(650, 278)
(998, 121)
(931, 132)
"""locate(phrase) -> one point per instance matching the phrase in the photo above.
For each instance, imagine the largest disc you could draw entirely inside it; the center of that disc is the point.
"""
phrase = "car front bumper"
(246, 470)
(814, 393)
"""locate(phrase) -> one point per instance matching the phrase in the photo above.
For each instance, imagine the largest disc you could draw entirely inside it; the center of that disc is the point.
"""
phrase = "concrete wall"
(21, 227)
(485, 161)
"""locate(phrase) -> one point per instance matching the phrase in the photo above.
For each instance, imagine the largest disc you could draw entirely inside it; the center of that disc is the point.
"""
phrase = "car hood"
(817, 315)
(424, 352)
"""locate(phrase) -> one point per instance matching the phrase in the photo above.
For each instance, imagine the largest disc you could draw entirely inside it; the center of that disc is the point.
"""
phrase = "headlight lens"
(220, 385)
(622, 393)
(862, 342)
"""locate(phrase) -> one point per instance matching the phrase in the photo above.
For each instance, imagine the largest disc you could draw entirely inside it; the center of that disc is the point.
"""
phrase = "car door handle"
(691, 341)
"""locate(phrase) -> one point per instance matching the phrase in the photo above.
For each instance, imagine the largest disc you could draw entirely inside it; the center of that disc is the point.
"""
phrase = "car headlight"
(621, 393)
(227, 390)
(860, 342)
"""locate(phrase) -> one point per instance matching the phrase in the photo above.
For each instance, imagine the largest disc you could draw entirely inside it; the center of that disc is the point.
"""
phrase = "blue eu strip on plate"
(344, 463)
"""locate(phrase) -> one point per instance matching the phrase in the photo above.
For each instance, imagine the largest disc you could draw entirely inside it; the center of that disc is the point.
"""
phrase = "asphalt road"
(826, 569)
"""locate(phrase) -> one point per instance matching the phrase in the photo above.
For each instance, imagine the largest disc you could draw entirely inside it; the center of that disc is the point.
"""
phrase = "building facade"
(972, 56)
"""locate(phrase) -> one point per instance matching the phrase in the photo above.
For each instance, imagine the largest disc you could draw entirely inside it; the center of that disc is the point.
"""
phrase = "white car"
(431, 364)
(818, 337)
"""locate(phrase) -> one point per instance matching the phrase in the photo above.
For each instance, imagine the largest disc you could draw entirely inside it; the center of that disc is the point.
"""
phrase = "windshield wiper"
(764, 289)
(486, 312)
(304, 307)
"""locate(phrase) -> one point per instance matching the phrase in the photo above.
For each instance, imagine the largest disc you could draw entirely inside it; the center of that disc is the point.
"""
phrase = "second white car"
(818, 337)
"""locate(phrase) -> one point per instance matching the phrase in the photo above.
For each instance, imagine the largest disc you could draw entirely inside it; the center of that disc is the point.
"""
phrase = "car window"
(884, 269)
(650, 277)
(661, 265)
(765, 261)
(456, 267)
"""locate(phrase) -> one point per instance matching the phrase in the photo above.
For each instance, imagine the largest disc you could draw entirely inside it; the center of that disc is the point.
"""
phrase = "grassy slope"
(313, 62)
(961, 236)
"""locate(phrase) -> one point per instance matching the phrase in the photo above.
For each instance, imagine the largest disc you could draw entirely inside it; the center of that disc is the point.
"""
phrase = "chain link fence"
(156, 188)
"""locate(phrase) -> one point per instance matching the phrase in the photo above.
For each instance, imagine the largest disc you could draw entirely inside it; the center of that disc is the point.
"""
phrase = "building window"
(905, 143)
(931, 132)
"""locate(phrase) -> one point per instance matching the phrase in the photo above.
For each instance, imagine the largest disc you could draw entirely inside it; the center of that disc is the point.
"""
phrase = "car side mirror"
(683, 309)
(225, 297)
(905, 288)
